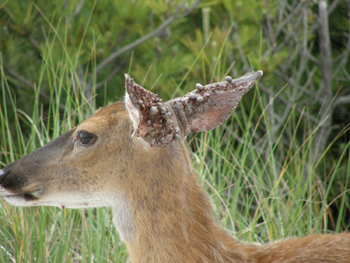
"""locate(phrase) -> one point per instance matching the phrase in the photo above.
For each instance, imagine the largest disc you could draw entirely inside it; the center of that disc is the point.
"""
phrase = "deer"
(132, 156)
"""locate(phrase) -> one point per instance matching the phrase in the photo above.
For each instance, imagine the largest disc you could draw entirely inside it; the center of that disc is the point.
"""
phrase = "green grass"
(264, 185)
(257, 186)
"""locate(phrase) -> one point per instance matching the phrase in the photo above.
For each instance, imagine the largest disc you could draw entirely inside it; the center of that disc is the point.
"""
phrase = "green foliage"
(262, 175)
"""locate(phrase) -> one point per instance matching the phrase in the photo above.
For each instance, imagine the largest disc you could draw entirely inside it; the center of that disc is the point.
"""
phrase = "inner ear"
(150, 117)
(133, 111)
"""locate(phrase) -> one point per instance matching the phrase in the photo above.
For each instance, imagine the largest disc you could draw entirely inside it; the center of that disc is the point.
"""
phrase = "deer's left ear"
(150, 117)
(208, 106)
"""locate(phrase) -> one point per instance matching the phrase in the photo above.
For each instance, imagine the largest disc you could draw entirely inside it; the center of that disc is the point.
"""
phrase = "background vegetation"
(279, 167)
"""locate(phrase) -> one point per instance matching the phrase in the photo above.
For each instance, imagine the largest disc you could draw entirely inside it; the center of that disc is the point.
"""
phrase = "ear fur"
(150, 117)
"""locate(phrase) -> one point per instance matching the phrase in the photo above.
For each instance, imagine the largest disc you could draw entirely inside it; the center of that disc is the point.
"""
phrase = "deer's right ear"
(150, 117)
(208, 106)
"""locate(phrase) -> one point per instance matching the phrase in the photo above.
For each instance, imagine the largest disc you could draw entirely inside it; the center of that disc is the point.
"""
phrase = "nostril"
(3, 175)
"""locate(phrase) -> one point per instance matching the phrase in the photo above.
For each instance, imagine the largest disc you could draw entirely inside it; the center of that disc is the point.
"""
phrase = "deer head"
(130, 156)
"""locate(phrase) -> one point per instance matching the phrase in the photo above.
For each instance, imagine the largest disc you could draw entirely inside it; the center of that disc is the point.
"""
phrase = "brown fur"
(172, 215)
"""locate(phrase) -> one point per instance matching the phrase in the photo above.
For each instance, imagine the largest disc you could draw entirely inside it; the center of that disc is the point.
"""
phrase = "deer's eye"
(86, 138)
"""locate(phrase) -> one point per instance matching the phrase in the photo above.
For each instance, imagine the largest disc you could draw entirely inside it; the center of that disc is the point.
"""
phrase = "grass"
(257, 186)
(264, 187)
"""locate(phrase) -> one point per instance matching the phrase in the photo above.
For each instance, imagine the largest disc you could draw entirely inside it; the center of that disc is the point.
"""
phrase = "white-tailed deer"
(132, 157)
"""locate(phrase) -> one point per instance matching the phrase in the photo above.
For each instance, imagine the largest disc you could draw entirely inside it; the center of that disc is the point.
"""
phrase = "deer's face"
(83, 167)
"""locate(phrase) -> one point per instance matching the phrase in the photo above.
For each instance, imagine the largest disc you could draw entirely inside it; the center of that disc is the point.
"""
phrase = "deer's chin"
(37, 198)
(19, 200)
(23, 200)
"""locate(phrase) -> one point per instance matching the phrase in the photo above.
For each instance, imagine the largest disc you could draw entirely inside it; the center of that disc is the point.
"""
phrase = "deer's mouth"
(21, 199)
(17, 195)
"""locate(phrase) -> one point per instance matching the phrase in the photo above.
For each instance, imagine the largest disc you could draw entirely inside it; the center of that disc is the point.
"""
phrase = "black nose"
(3, 175)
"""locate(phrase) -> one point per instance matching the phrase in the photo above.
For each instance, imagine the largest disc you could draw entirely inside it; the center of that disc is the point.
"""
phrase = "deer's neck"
(172, 216)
